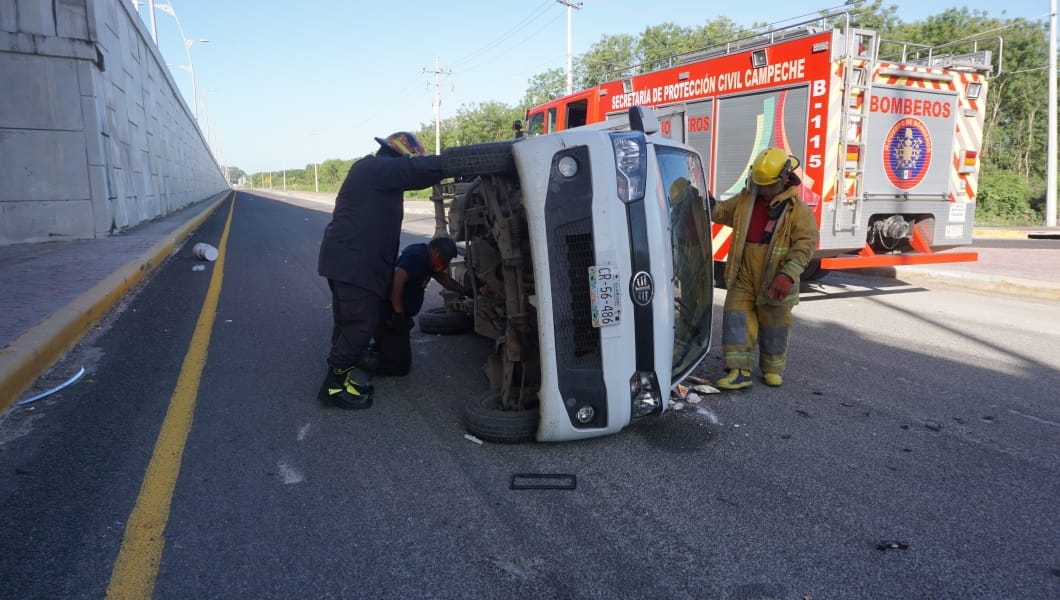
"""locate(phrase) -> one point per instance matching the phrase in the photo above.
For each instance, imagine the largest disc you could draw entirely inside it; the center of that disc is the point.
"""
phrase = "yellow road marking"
(140, 554)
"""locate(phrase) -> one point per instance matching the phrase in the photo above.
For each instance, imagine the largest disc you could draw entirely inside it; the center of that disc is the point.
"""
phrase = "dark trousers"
(392, 343)
(355, 313)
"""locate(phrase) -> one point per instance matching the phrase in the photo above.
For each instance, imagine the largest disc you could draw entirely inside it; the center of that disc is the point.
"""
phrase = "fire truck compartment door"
(909, 141)
(748, 124)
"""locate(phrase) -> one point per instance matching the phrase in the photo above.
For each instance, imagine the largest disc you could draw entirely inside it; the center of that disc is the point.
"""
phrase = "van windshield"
(690, 233)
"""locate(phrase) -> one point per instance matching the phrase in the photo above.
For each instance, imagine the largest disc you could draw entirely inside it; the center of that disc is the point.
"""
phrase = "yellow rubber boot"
(773, 379)
(736, 379)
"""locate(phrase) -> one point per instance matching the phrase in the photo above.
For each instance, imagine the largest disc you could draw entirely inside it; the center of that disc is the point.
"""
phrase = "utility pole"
(570, 56)
(438, 72)
(1050, 191)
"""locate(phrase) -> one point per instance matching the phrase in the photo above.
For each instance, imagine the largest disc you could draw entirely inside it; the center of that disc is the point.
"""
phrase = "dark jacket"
(416, 262)
(361, 242)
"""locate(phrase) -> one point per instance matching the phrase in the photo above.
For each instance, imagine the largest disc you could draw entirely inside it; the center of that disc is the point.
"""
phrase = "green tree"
(610, 58)
(545, 86)
(474, 123)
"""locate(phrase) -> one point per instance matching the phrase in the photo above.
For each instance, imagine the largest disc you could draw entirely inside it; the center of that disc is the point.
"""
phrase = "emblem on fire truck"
(907, 153)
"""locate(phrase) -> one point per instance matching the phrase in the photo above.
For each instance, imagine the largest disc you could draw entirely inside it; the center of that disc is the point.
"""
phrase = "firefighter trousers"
(746, 324)
(355, 315)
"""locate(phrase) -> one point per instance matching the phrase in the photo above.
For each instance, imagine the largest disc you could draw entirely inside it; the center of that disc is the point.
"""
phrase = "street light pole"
(206, 113)
(191, 69)
(168, 9)
(154, 27)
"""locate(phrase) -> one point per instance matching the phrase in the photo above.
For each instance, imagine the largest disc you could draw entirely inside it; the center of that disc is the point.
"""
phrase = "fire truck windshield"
(690, 232)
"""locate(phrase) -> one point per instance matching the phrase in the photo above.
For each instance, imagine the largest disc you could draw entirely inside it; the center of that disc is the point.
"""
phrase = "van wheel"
(484, 419)
(445, 321)
(488, 158)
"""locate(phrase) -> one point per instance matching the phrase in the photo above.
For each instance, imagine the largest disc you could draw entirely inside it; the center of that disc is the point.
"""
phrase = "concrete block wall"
(95, 136)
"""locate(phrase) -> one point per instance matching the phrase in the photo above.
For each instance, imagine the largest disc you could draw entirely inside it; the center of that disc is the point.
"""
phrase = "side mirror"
(643, 119)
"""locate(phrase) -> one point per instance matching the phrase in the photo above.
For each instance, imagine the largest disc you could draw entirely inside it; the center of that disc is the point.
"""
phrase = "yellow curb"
(35, 351)
(986, 234)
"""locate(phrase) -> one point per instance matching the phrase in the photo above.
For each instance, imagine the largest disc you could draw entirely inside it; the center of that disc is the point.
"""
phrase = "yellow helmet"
(771, 166)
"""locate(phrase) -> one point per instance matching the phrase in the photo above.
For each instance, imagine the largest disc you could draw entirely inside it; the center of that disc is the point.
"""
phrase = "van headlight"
(644, 394)
(631, 165)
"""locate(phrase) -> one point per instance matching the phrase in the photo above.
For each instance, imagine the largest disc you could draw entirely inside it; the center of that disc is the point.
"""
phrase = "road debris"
(933, 425)
(471, 438)
(892, 545)
(691, 394)
(62, 385)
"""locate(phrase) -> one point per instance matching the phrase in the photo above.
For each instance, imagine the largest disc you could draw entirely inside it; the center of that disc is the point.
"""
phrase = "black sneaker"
(341, 390)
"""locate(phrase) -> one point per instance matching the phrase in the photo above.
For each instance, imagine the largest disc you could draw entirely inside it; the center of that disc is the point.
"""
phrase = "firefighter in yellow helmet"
(773, 239)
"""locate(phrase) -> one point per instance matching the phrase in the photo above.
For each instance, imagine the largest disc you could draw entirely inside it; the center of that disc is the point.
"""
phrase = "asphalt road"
(923, 417)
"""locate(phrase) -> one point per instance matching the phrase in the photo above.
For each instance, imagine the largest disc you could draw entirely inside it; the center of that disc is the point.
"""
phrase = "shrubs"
(1005, 198)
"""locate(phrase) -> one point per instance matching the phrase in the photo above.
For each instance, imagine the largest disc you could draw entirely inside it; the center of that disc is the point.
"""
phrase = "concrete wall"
(95, 136)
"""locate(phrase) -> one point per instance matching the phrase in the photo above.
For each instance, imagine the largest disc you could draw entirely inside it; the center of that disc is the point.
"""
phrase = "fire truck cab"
(889, 145)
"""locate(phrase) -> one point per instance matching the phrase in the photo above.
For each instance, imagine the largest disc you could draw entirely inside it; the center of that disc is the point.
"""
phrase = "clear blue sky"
(287, 83)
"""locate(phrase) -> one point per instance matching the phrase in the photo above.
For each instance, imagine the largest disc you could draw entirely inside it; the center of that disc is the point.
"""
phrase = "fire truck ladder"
(862, 49)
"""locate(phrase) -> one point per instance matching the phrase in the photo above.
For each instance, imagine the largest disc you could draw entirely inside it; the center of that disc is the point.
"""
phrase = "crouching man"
(417, 265)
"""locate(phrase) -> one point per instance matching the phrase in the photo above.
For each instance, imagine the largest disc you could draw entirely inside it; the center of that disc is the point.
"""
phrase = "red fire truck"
(889, 144)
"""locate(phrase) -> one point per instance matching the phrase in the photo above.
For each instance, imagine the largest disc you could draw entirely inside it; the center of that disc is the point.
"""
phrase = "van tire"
(445, 321)
(473, 160)
(488, 422)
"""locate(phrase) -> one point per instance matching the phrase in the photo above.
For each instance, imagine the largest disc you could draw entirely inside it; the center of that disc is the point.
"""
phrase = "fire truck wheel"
(445, 321)
(719, 274)
(486, 421)
(489, 158)
(813, 271)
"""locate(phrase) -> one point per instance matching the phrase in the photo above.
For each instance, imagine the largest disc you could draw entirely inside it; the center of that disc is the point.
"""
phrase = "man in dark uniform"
(358, 251)
(416, 267)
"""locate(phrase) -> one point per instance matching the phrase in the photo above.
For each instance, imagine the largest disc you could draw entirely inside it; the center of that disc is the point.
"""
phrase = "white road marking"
(1034, 418)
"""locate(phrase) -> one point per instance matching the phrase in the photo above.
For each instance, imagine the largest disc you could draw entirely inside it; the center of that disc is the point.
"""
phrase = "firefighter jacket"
(361, 242)
(790, 249)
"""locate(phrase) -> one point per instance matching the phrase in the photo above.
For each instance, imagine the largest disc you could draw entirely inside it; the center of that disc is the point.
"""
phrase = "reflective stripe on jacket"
(790, 250)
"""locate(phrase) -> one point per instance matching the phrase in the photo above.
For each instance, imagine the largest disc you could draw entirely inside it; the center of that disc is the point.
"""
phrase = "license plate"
(605, 295)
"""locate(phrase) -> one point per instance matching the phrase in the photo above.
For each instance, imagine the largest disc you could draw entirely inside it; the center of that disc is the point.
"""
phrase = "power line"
(507, 35)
